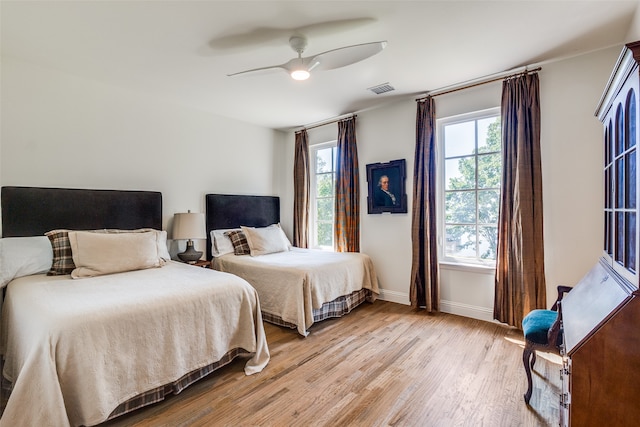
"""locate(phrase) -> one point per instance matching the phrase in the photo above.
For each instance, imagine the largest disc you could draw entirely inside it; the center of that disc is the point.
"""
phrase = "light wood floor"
(383, 364)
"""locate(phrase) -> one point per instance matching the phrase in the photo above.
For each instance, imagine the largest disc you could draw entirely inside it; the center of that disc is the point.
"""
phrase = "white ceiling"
(182, 51)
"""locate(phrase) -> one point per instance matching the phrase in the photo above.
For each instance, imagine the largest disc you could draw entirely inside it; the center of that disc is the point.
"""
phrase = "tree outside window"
(323, 195)
(472, 175)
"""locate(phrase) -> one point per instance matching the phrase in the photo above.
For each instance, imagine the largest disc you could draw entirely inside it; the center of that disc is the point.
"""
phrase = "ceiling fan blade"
(289, 66)
(348, 55)
(261, 69)
(270, 36)
(261, 36)
(332, 27)
(328, 60)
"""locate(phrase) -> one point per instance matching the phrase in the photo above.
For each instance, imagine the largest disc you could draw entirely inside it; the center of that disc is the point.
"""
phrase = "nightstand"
(202, 263)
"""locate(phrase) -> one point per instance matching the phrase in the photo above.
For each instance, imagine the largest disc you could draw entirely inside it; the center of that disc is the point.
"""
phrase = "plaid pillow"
(62, 256)
(239, 241)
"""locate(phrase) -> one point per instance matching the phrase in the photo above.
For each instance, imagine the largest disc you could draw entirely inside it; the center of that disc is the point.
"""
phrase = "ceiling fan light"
(300, 74)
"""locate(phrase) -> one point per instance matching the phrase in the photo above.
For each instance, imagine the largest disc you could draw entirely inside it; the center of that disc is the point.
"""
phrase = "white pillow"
(221, 244)
(284, 236)
(266, 240)
(95, 254)
(24, 256)
(163, 250)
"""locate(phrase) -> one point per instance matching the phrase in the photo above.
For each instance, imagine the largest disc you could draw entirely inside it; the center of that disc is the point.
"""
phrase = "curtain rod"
(470, 85)
(328, 122)
(490, 79)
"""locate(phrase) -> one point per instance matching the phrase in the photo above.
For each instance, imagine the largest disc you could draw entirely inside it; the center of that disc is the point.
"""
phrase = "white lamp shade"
(189, 226)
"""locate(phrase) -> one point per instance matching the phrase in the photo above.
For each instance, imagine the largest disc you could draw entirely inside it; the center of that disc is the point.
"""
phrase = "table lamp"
(189, 226)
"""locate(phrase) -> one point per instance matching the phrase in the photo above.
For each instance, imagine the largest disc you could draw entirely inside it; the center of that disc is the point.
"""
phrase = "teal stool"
(541, 330)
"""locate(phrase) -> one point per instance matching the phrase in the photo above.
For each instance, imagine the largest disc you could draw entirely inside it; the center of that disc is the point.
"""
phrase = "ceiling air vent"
(381, 88)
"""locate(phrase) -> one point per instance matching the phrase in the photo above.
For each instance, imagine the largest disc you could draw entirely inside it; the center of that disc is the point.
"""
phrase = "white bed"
(302, 286)
(76, 349)
(297, 287)
(79, 351)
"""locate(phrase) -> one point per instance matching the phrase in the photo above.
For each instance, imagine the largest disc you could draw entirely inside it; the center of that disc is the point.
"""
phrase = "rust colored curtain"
(425, 285)
(301, 189)
(520, 283)
(347, 206)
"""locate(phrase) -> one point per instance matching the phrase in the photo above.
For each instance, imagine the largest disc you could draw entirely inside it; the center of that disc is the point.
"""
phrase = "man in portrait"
(383, 196)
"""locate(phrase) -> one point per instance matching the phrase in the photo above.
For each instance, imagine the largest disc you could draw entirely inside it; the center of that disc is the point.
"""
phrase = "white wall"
(634, 29)
(60, 130)
(572, 181)
(383, 135)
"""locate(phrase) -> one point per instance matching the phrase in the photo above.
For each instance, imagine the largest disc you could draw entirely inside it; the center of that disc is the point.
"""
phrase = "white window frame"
(472, 264)
(313, 217)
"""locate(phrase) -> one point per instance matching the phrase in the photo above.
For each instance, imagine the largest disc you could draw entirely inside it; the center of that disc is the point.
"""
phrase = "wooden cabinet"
(618, 113)
(601, 315)
(601, 351)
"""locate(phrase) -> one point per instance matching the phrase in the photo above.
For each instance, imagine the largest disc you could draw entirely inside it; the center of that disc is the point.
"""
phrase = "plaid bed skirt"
(151, 396)
(158, 394)
(336, 308)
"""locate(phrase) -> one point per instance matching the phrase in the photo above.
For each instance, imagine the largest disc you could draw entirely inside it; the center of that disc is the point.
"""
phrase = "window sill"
(469, 268)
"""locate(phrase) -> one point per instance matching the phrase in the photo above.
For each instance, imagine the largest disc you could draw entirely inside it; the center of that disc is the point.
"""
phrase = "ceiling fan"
(300, 68)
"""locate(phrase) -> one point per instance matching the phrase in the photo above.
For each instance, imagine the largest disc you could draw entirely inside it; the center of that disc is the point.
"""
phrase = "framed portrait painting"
(386, 182)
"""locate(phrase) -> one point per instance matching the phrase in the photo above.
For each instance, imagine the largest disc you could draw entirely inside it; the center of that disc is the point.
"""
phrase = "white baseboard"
(466, 310)
(394, 296)
(451, 307)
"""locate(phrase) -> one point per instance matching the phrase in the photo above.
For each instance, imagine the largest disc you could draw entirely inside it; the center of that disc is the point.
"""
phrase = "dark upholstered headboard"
(232, 211)
(32, 211)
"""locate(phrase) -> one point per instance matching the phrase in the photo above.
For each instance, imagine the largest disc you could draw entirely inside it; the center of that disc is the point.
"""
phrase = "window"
(323, 179)
(470, 153)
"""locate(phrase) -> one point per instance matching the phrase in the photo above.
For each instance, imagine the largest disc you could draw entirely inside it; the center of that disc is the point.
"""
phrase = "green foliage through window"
(472, 176)
(323, 196)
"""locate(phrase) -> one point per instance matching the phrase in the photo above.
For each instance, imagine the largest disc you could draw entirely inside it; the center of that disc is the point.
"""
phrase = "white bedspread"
(291, 284)
(75, 349)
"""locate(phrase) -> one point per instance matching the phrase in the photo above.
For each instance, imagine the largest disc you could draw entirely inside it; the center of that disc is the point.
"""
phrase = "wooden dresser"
(601, 315)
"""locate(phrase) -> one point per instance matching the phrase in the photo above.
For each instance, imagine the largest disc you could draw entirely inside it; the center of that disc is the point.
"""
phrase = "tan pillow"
(95, 254)
(266, 240)
(63, 258)
(161, 236)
